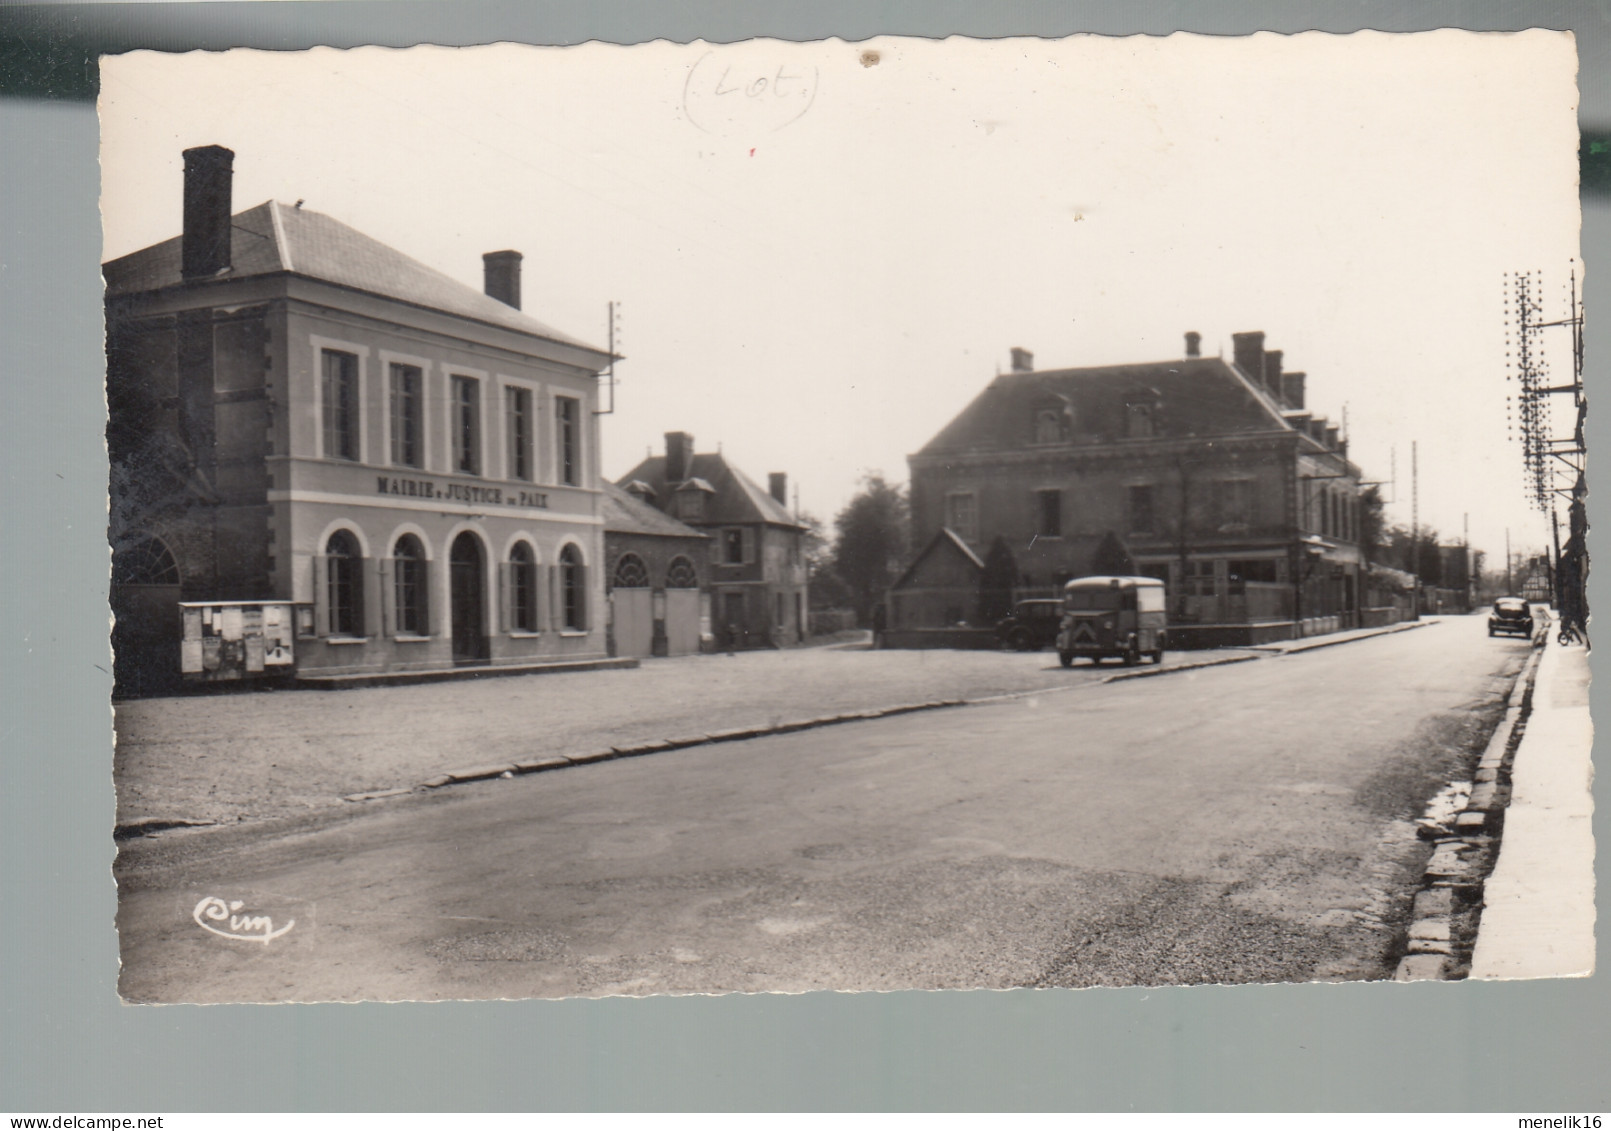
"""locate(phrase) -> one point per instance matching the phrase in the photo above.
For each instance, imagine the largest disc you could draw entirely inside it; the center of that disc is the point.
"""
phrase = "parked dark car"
(1032, 624)
(1511, 615)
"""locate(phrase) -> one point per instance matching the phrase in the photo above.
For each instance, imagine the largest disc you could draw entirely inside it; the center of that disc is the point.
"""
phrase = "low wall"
(938, 638)
(1190, 637)
(1380, 617)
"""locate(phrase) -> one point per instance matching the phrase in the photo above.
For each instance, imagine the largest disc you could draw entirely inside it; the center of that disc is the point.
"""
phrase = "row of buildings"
(331, 458)
(328, 457)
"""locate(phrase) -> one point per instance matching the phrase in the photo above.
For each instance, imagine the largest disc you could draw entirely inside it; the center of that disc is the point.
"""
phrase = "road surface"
(1239, 823)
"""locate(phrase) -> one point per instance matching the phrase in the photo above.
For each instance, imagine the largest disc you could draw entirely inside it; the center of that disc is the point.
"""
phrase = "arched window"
(681, 574)
(410, 590)
(573, 589)
(344, 589)
(146, 562)
(522, 588)
(630, 573)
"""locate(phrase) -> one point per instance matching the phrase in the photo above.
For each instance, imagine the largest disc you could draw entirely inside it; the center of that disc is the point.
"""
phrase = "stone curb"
(735, 734)
(1454, 868)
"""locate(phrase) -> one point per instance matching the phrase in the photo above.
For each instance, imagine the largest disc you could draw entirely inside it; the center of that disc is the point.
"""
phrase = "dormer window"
(1138, 420)
(1051, 426)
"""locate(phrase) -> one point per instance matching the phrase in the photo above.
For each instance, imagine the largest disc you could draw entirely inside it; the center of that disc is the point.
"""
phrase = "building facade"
(1208, 474)
(657, 571)
(405, 466)
(756, 553)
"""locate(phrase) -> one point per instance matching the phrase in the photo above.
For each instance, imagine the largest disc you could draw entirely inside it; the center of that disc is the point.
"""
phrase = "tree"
(1372, 524)
(872, 543)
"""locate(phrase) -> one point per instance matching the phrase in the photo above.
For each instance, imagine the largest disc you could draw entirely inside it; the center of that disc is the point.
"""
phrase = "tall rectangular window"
(467, 425)
(733, 546)
(962, 515)
(517, 415)
(407, 404)
(1141, 516)
(1050, 505)
(568, 420)
(340, 404)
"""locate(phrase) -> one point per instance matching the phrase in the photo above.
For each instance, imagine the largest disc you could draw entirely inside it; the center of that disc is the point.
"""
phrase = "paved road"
(1241, 823)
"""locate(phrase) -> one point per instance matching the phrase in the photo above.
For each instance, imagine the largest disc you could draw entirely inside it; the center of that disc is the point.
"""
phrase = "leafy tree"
(872, 543)
(1372, 524)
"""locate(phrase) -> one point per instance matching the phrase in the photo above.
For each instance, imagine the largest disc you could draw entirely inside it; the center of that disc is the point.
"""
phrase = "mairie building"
(321, 444)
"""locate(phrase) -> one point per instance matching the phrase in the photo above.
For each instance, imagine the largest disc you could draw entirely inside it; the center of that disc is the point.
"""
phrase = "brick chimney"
(1022, 360)
(501, 276)
(777, 484)
(1248, 353)
(1332, 433)
(1194, 344)
(204, 245)
(1292, 389)
(1272, 372)
(1317, 430)
(679, 457)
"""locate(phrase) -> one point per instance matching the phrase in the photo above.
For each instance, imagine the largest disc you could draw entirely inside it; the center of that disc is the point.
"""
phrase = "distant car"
(1511, 615)
(1032, 624)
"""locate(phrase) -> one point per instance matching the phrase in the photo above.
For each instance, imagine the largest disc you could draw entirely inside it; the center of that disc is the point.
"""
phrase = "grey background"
(68, 1045)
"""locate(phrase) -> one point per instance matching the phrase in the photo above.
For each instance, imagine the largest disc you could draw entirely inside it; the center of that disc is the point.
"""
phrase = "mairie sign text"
(459, 492)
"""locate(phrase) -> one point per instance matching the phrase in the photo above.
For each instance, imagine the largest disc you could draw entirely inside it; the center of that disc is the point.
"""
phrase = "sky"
(821, 252)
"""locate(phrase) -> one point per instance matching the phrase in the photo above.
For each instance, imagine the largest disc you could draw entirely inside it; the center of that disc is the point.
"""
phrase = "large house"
(757, 560)
(333, 457)
(1211, 475)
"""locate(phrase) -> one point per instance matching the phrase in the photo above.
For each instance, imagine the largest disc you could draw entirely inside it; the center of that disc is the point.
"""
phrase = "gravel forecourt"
(246, 755)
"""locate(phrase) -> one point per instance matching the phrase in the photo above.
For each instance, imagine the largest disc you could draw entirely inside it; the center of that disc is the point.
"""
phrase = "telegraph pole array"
(1553, 464)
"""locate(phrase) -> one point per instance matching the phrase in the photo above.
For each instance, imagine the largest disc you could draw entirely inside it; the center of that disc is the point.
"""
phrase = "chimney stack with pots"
(777, 484)
(1248, 353)
(501, 276)
(204, 245)
(1194, 344)
(679, 457)
(1292, 389)
(1022, 360)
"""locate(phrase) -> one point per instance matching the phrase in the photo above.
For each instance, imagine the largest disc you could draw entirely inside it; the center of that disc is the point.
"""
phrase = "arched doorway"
(467, 592)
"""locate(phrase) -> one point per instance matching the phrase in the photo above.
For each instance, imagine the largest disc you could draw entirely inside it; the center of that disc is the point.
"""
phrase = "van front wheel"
(1067, 658)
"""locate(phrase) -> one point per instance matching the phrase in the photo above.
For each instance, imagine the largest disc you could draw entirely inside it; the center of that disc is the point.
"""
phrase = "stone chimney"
(1194, 344)
(679, 457)
(500, 272)
(1272, 372)
(1248, 353)
(1022, 360)
(777, 485)
(1332, 433)
(1292, 389)
(1317, 430)
(204, 245)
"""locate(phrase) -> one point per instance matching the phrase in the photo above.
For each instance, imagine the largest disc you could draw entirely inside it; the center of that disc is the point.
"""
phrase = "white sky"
(818, 272)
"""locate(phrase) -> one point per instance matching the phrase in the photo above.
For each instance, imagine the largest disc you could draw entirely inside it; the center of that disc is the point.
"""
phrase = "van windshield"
(1076, 600)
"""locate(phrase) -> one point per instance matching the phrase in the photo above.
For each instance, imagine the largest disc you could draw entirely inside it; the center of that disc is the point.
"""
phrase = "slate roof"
(1193, 397)
(275, 238)
(737, 497)
(624, 514)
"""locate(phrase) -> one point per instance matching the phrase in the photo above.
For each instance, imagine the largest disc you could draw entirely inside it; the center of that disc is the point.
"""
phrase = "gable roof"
(274, 238)
(737, 497)
(624, 514)
(945, 542)
(1193, 397)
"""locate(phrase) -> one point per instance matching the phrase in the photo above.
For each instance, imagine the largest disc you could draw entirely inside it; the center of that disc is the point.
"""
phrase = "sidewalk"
(1538, 914)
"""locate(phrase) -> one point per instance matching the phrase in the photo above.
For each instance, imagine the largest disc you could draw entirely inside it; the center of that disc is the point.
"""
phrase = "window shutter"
(370, 620)
(321, 595)
(505, 598)
(390, 618)
(556, 606)
(581, 597)
(749, 545)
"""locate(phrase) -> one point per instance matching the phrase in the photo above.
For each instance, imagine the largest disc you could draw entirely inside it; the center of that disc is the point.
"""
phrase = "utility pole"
(1415, 523)
(1509, 588)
